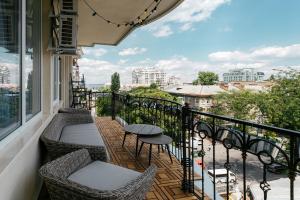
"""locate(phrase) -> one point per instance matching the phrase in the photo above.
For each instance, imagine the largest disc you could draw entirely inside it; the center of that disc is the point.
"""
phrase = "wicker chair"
(74, 111)
(56, 176)
(52, 133)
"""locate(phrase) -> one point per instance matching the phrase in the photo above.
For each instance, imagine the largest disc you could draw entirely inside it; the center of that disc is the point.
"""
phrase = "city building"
(197, 96)
(4, 75)
(258, 86)
(245, 74)
(173, 80)
(147, 76)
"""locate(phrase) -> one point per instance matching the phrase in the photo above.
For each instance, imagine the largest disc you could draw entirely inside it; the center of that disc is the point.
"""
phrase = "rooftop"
(196, 90)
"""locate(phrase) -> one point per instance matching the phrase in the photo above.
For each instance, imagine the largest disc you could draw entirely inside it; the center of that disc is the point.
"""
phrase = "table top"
(160, 139)
(143, 129)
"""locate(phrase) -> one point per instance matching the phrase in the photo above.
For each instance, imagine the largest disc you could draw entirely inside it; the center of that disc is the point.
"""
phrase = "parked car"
(221, 176)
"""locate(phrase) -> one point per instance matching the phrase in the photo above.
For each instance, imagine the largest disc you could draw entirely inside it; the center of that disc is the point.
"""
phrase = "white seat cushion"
(103, 176)
(85, 134)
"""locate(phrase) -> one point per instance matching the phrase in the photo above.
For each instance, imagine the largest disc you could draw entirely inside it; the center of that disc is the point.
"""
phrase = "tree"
(152, 92)
(206, 78)
(281, 106)
(115, 82)
(153, 86)
(237, 104)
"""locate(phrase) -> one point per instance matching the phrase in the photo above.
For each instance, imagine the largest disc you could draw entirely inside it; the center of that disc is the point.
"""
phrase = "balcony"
(216, 156)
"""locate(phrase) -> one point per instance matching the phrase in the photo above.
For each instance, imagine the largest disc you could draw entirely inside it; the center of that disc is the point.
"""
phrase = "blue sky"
(205, 35)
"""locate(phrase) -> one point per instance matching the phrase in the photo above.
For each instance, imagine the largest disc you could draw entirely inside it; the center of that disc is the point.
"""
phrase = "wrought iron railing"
(243, 147)
(163, 113)
(220, 156)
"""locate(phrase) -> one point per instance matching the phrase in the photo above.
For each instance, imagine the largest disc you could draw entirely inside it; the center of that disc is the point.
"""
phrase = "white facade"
(173, 80)
(245, 74)
(147, 76)
(4, 75)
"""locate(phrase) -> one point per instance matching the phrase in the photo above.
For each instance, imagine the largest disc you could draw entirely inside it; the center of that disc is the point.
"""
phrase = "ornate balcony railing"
(220, 156)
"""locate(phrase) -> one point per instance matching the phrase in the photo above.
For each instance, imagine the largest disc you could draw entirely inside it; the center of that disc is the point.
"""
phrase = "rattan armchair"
(56, 173)
(51, 135)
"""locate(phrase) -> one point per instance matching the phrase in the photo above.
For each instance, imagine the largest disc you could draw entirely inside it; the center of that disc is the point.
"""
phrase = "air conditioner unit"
(68, 6)
(68, 31)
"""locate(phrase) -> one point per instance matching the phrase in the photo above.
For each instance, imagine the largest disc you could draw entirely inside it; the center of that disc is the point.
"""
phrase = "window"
(56, 77)
(10, 63)
(10, 68)
(32, 63)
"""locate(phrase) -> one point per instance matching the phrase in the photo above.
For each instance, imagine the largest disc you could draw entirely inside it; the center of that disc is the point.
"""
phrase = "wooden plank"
(167, 183)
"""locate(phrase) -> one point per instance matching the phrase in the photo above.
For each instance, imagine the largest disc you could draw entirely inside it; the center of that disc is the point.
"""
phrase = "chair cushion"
(103, 176)
(85, 134)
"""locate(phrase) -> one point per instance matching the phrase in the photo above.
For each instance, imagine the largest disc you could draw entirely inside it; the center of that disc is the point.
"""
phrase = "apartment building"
(4, 75)
(245, 74)
(197, 96)
(147, 76)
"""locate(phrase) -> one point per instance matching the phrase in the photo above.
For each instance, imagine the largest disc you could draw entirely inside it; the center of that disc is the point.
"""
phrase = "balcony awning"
(109, 21)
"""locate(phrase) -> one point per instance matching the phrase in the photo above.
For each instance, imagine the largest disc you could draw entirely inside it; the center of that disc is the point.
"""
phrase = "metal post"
(90, 98)
(185, 160)
(113, 105)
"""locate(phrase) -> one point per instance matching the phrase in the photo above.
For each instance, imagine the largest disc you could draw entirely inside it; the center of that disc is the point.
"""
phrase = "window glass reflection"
(10, 96)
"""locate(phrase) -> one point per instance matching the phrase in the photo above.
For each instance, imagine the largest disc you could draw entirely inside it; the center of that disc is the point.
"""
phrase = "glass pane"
(10, 96)
(32, 58)
(56, 78)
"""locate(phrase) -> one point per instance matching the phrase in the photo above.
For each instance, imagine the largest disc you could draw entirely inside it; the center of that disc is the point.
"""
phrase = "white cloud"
(122, 61)
(263, 59)
(186, 27)
(94, 51)
(265, 54)
(163, 31)
(98, 71)
(191, 11)
(132, 51)
(188, 13)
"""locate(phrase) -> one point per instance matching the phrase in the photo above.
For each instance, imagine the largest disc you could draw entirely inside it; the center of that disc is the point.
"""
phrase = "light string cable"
(133, 22)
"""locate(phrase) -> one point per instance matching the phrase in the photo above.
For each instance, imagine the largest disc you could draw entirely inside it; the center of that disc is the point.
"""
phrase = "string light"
(139, 20)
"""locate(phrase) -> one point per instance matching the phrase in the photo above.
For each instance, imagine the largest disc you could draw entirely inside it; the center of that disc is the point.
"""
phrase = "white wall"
(19, 179)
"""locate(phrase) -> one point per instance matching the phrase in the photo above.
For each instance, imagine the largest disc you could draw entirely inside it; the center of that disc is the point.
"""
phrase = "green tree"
(237, 104)
(206, 78)
(104, 89)
(281, 105)
(152, 92)
(153, 86)
(115, 82)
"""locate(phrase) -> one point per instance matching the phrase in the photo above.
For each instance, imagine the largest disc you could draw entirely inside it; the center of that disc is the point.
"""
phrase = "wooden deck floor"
(167, 183)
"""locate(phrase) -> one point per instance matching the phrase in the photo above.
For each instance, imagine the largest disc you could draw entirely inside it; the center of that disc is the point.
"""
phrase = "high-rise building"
(245, 74)
(147, 76)
(173, 80)
(4, 75)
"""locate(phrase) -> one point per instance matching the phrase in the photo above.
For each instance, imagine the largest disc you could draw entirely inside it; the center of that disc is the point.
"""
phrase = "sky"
(205, 35)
